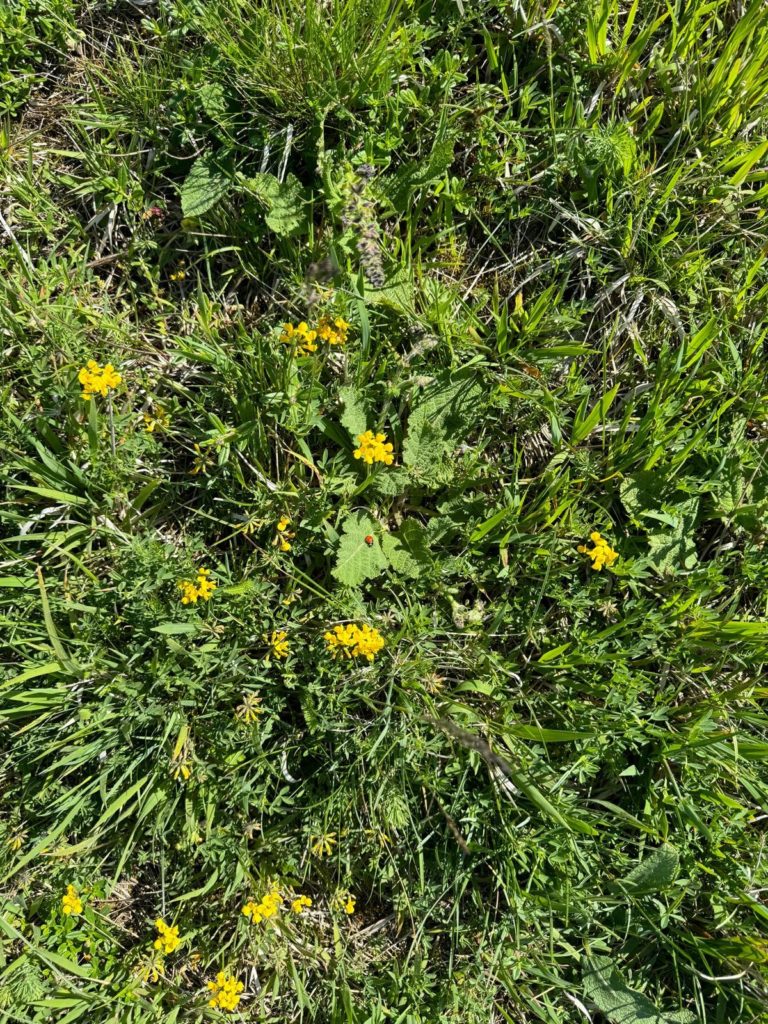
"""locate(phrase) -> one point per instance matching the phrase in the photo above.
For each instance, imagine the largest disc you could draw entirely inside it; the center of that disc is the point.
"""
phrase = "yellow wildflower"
(71, 902)
(323, 845)
(333, 331)
(203, 459)
(225, 991)
(181, 766)
(344, 900)
(298, 905)
(601, 554)
(168, 937)
(202, 587)
(278, 642)
(353, 641)
(373, 449)
(284, 536)
(249, 710)
(160, 419)
(16, 839)
(301, 336)
(268, 907)
(98, 380)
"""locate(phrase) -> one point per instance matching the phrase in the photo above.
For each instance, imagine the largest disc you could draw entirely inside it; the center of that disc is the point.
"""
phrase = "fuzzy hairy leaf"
(284, 202)
(604, 986)
(357, 561)
(407, 549)
(205, 185)
(654, 873)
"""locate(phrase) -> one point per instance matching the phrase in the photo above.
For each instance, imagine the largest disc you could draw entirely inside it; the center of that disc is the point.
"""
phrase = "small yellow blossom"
(268, 907)
(71, 902)
(98, 380)
(202, 587)
(601, 554)
(333, 330)
(284, 536)
(180, 274)
(298, 905)
(168, 937)
(225, 991)
(278, 642)
(160, 419)
(344, 900)
(202, 460)
(322, 846)
(249, 710)
(16, 839)
(353, 641)
(301, 336)
(181, 766)
(373, 449)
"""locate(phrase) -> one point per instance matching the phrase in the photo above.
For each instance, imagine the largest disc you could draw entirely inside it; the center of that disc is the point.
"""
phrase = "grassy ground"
(527, 245)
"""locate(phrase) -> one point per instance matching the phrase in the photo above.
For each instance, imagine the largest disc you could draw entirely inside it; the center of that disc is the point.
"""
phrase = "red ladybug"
(369, 540)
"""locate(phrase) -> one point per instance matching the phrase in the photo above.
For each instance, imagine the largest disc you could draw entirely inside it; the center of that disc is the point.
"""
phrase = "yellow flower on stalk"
(344, 900)
(249, 710)
(98, 380)
(15, 840)
(373, 449)
(160, 420)
(278, 642)
(602, 553)
(284, 536)
(225, 991)
(323, 845)
(168, 937)
(298, 905)
(202, 460)
(301, 336)
(202, 587)
(333, 330)
(71, 902)
(268, 907)
(353, 641)
(180, 768)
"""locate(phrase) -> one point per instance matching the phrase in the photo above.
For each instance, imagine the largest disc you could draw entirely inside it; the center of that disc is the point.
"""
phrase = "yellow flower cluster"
(373, 449)
(278, 642)
(284, 536)
(249, 710)
(225, 991)
(98, 380)
(345, 901)
(168, 937)
(354, 641)
(298, 905)
(331, 330)
(160, 419)
(301, 336)
(71, 902)
(602, 553)
(202, 587)
(269, 906)
(322, 846)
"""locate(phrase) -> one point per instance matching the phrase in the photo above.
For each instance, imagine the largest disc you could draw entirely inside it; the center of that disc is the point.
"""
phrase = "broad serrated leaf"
(213, 100)
(451, 402)
(356, 560)
(654, 873)
(284, 202)
(424, 450)
(675, 547)
(353, 418)
(203, 187)
(407, 549)
(604, 986)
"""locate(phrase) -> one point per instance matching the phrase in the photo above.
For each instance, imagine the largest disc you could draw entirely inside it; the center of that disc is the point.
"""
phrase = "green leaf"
(284, 202)
(353, 418)
(213, 100)
(654, 873)
(605, 987)
(407, 549)
(424, 450)
(355, 560)
(174, 628)
(203, 187)
(675, 548)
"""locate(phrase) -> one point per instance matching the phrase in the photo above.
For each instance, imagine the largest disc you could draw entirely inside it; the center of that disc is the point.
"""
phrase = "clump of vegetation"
(383, 511)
